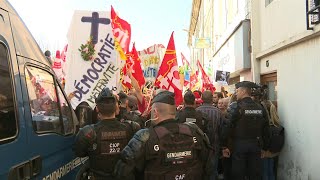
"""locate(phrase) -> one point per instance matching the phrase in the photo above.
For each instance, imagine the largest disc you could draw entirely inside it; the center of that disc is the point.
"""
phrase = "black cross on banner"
(95, 21)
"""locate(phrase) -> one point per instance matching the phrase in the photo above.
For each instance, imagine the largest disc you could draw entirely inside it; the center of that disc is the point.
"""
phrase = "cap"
(165, 97)
(246, 84)
(106, 93)
(197, 97)
(189, 96)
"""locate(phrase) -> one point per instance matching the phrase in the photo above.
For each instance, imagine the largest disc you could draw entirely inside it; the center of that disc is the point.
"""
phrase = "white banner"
(151, 59)
(87, 78)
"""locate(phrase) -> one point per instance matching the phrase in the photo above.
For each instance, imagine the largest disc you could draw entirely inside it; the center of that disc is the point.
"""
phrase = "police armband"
(84, 141)
(88, 134)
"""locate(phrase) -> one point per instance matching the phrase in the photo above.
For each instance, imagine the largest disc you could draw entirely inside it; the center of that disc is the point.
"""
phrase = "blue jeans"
(268, 171)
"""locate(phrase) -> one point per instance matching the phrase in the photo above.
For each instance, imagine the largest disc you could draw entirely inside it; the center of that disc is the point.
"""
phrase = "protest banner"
(91, 59)
(151, 60)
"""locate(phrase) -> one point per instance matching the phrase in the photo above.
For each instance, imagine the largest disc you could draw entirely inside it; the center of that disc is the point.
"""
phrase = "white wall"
(227, 16)
(280, 20)
(298, 71)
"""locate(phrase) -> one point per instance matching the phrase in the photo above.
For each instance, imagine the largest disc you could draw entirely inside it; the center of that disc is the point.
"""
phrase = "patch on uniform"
(114, 147)
(113, 135)
(191, 120)
(253, 112)
(176, 175)
(178, 157)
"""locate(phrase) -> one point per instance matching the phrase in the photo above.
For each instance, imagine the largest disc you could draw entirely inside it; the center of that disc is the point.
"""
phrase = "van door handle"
(20, 172)
(26, 170)
(35, 165)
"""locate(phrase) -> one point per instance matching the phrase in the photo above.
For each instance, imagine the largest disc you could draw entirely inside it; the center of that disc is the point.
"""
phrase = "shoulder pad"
(194, 127)
(142, 135)
(233, 105)
(133, 125)
(199, 132)
(88, 132)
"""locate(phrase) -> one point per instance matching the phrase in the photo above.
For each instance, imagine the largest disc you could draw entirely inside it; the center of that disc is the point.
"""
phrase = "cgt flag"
(122, 32)
(168, 75)
(206, 83)
(134, 64)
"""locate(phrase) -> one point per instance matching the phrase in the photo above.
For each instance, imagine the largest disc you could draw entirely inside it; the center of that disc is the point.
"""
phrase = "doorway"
(271, 81)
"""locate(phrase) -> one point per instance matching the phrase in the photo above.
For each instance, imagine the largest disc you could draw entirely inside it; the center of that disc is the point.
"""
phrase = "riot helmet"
(105, 96)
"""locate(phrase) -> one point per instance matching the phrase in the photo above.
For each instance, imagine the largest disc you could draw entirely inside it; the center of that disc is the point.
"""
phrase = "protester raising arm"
(135, 85)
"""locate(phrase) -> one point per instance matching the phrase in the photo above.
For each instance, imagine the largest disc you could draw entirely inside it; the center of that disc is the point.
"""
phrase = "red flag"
(121, 30)
(184, 60)
(206, 83)
(137, 72)
(168, 75)
(125, 79)
(133, 63)
(193, 79)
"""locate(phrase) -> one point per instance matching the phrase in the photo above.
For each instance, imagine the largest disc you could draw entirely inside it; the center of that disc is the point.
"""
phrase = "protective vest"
(173, 154)
(191, 115)
(111, 139)
(250, 124)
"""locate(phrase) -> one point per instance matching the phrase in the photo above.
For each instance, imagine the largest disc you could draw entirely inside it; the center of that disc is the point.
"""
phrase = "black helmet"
(105, 94)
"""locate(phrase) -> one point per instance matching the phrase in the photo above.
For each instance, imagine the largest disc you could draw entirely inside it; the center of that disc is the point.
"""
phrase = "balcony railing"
(313, 13)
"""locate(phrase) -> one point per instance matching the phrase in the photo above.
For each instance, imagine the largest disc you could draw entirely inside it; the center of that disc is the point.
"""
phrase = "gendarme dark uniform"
(249, 134)
(190, 114)
(103, 142)
(168, 150)
(126, 116)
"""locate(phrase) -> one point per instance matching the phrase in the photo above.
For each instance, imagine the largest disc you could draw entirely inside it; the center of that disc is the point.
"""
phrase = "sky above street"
(152, 21)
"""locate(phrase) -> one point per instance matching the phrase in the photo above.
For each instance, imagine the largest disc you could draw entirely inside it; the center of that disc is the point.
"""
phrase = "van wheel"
(83, 173)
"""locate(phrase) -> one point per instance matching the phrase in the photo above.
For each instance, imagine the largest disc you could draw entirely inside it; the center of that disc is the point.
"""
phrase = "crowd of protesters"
(236, 153)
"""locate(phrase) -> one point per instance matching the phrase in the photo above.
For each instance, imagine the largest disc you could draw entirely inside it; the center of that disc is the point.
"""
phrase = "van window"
(46, 108)
(8, 122)
(43, 101)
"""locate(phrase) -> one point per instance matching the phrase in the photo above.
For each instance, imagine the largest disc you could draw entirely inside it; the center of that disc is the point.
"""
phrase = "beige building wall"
(280, 36)
(228, 15)
(281, 20)
(218, 20)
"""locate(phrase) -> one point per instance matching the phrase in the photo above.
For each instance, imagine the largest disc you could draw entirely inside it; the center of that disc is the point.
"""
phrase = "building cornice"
(292, 41)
